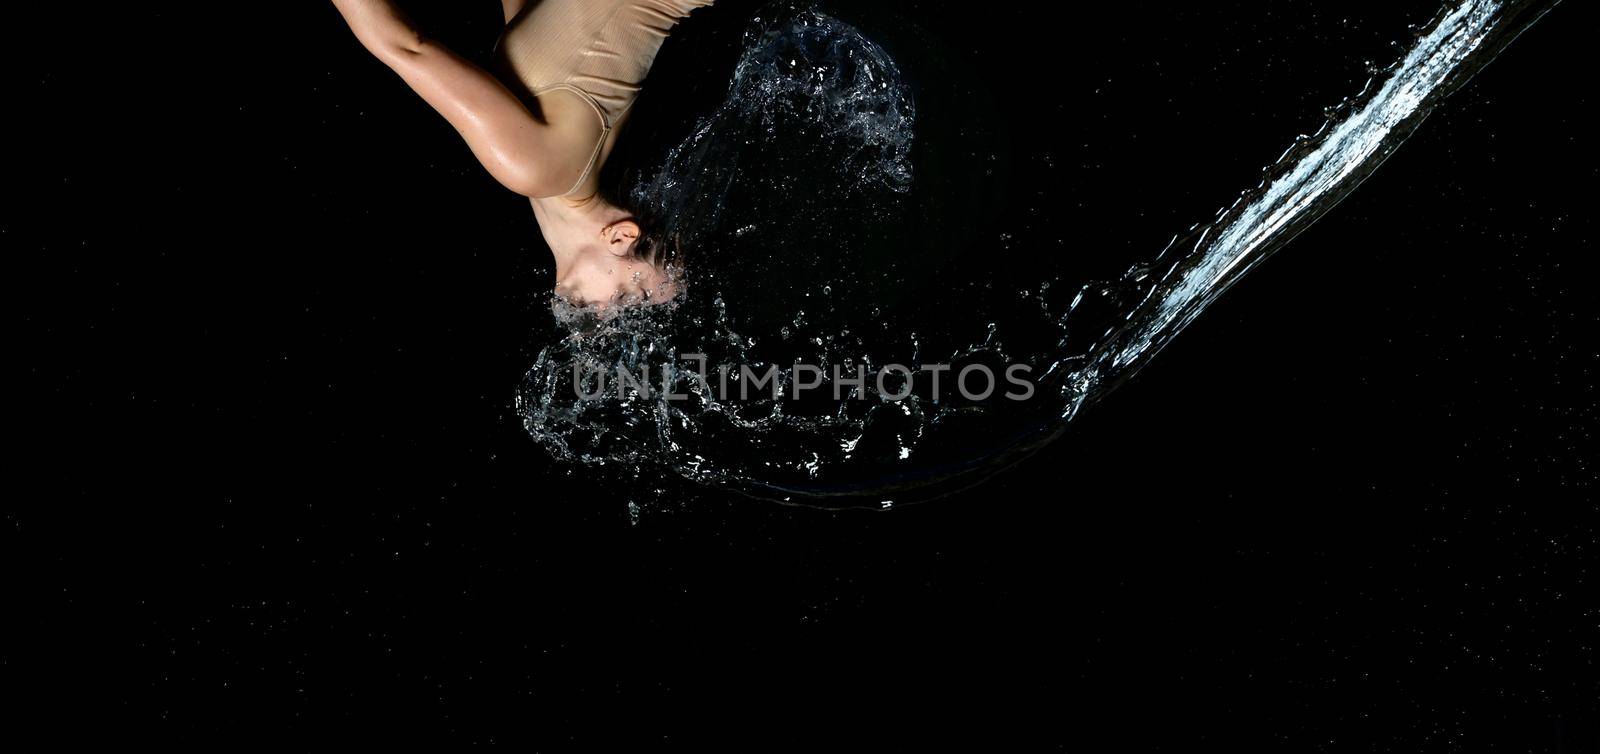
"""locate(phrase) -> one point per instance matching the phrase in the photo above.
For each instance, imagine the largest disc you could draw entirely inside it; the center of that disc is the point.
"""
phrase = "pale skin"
(536, 154)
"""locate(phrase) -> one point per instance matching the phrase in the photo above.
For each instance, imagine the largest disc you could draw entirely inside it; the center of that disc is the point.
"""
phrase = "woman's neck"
(571, 225)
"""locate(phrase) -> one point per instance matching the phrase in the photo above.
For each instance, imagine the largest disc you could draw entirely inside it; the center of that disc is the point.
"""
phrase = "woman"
(577, 66)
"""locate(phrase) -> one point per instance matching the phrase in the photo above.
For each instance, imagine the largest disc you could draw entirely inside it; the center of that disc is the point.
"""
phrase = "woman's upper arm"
(521, 151)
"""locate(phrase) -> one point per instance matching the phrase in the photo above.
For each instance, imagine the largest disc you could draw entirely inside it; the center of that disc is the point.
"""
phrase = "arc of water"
(1309, 180)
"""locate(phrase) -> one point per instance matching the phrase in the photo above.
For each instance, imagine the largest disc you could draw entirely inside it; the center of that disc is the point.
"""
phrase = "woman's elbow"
(401, 47)
(527, 182)
(532, 179)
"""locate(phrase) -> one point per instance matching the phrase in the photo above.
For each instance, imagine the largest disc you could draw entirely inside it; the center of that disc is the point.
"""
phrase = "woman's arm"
(519, 150)
(511, 8)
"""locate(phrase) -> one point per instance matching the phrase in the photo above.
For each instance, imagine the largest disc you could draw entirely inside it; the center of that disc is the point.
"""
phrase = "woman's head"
(616, 270)
(604, 255)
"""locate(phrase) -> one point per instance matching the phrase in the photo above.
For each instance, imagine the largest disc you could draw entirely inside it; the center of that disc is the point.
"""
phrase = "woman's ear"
(621, 232)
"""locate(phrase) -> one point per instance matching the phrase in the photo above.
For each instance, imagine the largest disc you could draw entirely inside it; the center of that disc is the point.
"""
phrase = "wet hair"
(657, 244)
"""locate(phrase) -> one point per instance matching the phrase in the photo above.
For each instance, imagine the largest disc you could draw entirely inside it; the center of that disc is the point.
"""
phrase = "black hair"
(657, 244)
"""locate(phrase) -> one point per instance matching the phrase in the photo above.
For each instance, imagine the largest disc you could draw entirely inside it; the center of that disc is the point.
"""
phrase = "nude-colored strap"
(605, 130)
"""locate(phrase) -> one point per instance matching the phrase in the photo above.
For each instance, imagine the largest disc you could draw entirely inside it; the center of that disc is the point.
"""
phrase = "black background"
(273, 317)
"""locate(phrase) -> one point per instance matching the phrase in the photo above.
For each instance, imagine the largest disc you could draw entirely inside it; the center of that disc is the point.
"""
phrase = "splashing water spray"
(806, 72)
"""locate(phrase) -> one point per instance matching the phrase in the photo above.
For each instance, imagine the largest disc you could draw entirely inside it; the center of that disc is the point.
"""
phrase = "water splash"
(1312, 176)
(803, 77)
(807, 75)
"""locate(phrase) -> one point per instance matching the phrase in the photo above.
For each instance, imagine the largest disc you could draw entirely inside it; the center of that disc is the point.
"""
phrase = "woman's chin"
(662, 292)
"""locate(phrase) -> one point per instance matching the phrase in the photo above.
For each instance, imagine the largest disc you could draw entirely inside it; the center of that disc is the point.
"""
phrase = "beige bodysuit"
(600, 50)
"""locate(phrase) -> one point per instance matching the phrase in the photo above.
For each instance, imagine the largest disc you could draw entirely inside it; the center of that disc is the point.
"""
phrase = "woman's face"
(602, 278)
